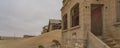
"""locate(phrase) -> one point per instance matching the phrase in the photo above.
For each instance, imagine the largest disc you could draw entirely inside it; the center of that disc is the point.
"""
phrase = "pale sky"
(19, 17)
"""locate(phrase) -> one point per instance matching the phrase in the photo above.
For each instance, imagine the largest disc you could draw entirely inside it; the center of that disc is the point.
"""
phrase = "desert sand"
(33, 42)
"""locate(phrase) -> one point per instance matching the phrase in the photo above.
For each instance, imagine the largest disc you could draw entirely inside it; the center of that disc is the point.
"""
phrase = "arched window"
(118, 11)
(75, 15)
(65, 22)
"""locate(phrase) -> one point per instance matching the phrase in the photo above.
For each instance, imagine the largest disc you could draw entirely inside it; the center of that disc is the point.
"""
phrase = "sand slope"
(34, 42)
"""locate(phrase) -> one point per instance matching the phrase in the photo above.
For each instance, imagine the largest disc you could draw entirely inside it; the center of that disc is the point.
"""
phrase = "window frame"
(74, 18)
(65, 22)
(118, 11)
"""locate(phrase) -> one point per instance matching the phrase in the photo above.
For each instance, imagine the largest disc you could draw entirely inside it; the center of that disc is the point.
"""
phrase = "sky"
(27, 17)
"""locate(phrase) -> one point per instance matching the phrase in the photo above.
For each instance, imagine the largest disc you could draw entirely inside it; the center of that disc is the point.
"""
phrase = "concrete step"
(111, 43)
(116, 46)
(108, 40)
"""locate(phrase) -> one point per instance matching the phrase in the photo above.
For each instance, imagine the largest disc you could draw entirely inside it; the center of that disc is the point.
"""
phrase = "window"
(118, 11)
(59, 25)
(65, 22)
(75, 15)
(56, 26)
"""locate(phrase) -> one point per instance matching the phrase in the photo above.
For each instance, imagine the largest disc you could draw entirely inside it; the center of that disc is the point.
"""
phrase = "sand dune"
(34, 42)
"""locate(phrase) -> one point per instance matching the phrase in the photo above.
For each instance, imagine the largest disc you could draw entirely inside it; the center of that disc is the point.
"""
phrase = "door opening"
(96, 19)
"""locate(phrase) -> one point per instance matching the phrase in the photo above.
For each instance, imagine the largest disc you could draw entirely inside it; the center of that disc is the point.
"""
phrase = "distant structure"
(28, 36)
(91, 24)
(0, 38)
(9, 38)
(54, 24)
(45, 29)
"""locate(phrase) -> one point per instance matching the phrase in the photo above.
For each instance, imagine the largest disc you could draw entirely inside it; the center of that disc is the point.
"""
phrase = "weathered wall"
(109, 18)
(68, 40)
(95, 42)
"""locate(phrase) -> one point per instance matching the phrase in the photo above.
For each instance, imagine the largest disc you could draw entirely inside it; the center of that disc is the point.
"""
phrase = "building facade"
(45, 29)
(100, 17)
(54, 24)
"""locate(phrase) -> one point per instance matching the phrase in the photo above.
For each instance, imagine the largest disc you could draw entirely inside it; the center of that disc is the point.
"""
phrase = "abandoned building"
(45, 29)
(91, 24)
(53, 24)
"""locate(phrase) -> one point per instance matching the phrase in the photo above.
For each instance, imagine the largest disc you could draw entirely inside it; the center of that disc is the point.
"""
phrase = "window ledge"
(117, 24)
(65, 30)
(74, 27)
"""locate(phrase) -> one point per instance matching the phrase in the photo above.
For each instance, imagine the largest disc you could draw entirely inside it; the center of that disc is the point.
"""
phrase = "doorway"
(96, 19)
